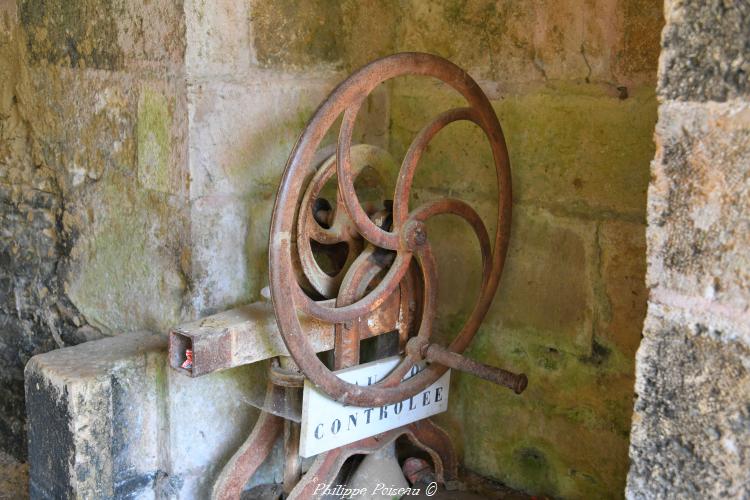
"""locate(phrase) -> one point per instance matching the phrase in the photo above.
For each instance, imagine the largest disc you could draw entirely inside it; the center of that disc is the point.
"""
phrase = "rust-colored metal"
(437, 354)
(436, 442)
(292, 395)
(251, 454)
(284, 377)
(249, 334)
(424, 434)
(380, 275)
(390, 246)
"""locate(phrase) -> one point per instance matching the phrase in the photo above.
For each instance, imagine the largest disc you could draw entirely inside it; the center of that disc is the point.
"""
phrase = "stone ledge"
(108, 417)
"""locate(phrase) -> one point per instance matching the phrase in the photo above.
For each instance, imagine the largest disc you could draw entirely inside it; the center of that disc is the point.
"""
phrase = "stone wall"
(691, 426)
(162, 131)
(92, 176)
(573, 84)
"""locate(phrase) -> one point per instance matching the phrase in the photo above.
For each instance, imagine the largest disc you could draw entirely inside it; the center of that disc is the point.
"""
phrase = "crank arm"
(438, 354)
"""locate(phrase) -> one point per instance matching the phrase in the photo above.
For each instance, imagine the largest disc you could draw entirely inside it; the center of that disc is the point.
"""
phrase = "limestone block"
(84, 121)
(124, 270)
(219, 235)
(699, 218)
(320, 33)
(705, 51)
(574, 149)
(545, 287)
(241, 133)
(566, 436)
(491, 40)
(494, 41)
(103, 34)
(691, 426)
(297, 34)
(637, 53)
(157, 168)
(108, 419)
(622, 307)
(218, 37)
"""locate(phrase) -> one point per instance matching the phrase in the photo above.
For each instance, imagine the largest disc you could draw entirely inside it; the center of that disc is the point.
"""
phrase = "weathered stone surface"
(102, 34)
(566, 436)
(493, 40)
(297, 34)
(14, 478)
(573, 149)
(622, 307)
(220, 272)
(691, 427)
(706, 51)
(108, 419)
(154, 140)
(241, 134)
(546, 290)
(496, 40)
(217, 37)
(197, 215)
(35, 315)
(639, 47)
(69, 179)
(699, 217)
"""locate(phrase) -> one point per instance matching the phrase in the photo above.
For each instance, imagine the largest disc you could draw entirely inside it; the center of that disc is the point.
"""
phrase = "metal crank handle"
(437, 354)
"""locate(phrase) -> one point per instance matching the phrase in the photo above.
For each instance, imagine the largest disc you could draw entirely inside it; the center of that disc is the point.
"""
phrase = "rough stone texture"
(108, 419)
(706, 51)
(571, 302)
(508, 42)
(690, 432)
(14, 478)
(160, 130)
(91, 163)
(697, 203)
(35, 315)
(623, 263)
(692, 427)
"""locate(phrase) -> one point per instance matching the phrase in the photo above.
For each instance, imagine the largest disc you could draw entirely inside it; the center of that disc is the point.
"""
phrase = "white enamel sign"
(328, 424)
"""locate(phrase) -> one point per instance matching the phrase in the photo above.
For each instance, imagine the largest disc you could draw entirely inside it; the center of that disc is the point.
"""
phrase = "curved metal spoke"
(350, 222)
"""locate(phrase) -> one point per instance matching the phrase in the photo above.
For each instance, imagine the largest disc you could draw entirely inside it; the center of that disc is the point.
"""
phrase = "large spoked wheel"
(406, 237)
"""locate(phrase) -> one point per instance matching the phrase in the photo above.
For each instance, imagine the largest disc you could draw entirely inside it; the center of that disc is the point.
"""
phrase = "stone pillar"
(691, 424)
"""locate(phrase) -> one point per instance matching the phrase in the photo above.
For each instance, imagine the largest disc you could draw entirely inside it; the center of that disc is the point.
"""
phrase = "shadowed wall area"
(141, 147)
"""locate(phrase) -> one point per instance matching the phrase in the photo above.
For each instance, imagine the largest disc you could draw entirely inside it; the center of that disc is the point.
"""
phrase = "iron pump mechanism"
(345, 270)
(393, 240)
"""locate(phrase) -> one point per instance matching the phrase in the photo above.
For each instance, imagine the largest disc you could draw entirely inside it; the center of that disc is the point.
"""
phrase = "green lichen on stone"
(75, 33)
(573, 149)
(297, 33)
(124, 272)
(344, 34)
(567, 435)
(154, 140)
(580, 157)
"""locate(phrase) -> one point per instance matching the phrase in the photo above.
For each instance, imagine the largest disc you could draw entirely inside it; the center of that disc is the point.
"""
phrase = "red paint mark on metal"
(188, 364)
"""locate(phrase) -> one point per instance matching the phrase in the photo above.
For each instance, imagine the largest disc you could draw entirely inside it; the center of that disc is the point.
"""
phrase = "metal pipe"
(437, 354)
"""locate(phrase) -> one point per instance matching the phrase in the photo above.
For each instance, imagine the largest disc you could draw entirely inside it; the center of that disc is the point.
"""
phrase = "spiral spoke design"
(350, 223)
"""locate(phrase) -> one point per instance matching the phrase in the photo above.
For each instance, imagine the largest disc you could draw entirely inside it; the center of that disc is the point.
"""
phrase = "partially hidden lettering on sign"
(328, 424)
